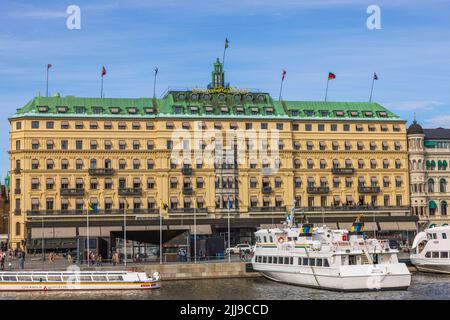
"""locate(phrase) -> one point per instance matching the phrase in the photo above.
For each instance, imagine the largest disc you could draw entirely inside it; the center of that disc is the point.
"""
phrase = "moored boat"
(431, 250)
(77, 280)
(322, 258)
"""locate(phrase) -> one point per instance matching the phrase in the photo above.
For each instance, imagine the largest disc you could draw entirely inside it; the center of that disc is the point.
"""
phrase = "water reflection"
(424, 286)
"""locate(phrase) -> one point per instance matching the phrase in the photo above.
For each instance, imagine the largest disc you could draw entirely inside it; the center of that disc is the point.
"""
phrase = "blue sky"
(410, 53)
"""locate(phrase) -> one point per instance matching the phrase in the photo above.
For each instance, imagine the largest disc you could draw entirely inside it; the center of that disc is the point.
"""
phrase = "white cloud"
(420, 105)
(438, 121)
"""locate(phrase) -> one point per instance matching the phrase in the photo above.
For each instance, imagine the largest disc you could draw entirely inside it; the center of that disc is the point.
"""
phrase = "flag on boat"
(103, 71)
(331, 76)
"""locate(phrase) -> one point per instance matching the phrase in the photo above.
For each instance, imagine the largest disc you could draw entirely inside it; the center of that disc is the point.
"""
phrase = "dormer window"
(309, 113)
(194, 110)
(339, 113)
(353, 113)
(149, 110)
(224, 110)
(42, 108)
(208, 110)
(382, 114)
(97, 110)
(269, 111)
(62, 109)
(178, 109)
(255, 111)
(368, 113)
(80, 109)
(324, 113)
(294, 113)
(115, 110)
(132, 110)
(239, 110)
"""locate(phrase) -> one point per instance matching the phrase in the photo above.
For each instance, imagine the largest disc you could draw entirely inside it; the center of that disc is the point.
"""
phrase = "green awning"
(444, 163)
(432, 225)
(445, 224)
(432, 205)
(439, 163)
(444, 202)
(433, 163)
(428, 163)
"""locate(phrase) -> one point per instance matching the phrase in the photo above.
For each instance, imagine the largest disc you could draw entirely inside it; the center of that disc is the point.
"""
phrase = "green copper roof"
(228, 103)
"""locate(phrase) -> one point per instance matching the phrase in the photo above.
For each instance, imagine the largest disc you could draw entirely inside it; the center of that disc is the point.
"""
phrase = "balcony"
(72, 192)
(343, 170)
(188, 210)
(116, 212)
(17, 191)
(368, 189)
(266, 190)
(187, 190)
(130, 191)
(17, 171)
(267, 209)
(101, 172)
(318, 190)
(186, 171)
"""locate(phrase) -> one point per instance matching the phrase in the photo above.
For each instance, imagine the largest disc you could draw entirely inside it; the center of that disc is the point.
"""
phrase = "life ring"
(280, 240)
(344, 237)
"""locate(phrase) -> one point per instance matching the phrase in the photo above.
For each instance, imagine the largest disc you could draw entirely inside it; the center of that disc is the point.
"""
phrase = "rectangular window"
(64, 144)
(346, 127)
(279, 126)
(308, 127)
(79, 144)
(334, 127)
(248, 126)
(18, 125)
(321, 127)
(49, 125)
(264, 126)
(35, 124)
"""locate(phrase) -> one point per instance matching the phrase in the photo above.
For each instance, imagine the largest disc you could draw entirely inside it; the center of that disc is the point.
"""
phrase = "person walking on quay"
(2, 260)
(99, 260)
(21, 259)
(69, 258)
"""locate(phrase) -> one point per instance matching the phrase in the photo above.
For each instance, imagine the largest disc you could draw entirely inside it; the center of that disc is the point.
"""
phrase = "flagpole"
(223, 58)
(281, 88)
(101, 89)
(229, 245)
(125, 233)
(160, 235)
(47, 81)
(87, 234)
(371, 90)
(326, 90)
(154, 83)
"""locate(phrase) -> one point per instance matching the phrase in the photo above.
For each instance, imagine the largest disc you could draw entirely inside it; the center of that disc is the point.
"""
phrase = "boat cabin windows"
(304, 261)
(444, 236)
(435, 254)
(54, 278)
(318, 262)
(286, 260)
(325, 263)
(432, 236)
(444, 255)
(265, 239)
(9, 278)
(312, 262)
(270, 238)
(264, 260)
(352, 260)
(428, 254)
(275, 260)
(270, 260)
(24, 278)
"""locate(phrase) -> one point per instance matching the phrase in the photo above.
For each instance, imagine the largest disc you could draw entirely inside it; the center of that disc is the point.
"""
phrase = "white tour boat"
(328, 259)
(431, 250)
(77, 280)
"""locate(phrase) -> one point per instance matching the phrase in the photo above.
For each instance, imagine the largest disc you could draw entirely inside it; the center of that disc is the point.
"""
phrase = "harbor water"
(423, 286)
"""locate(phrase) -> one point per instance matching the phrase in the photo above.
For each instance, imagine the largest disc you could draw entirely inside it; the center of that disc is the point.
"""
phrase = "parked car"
(246, 248)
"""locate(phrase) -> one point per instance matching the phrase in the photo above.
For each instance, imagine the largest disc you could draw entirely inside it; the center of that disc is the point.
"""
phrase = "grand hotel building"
(201, 151)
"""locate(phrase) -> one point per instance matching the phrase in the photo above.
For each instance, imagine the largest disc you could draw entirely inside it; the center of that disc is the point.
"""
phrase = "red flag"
(49, 66)
(284, 73)
(331, 76)
(103, 71)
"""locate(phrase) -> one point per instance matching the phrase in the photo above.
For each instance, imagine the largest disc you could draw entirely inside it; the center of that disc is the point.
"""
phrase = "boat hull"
(351, 279)
(58, 286)
(431, 265)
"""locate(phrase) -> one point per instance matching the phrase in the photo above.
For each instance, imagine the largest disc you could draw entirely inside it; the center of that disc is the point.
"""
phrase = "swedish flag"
(164, 206)
(226, 43)
(92, 207)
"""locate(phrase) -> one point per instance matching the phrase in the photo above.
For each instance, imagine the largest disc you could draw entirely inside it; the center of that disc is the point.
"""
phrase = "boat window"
(351, 260)
(270, 260)
(312, 262)
(434, 235)
(319, 262)
(274, 259)
(120, 278)
(325, 263)
(444, 255)
(428, 254)
(39, 278)
(264, 259)
(280, 260)
(54, 278)
(305, 261)
(265, 239)
(295, 238)
(444, 236)
(9, 278)
(24, 278)
(299, 261)
(435, 254)
(271, 239)
(286, 260)
(291, 260)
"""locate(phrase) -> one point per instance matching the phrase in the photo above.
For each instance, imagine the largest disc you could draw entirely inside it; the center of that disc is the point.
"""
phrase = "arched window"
(432, 207)
(431, 185)
(443, 208)
(442, 185)
(17, 228)
(93, 164)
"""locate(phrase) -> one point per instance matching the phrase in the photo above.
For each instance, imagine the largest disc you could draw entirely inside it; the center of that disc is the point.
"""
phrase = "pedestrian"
(99, 260)
(69, 259)
(2, 261)
(21, 260)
